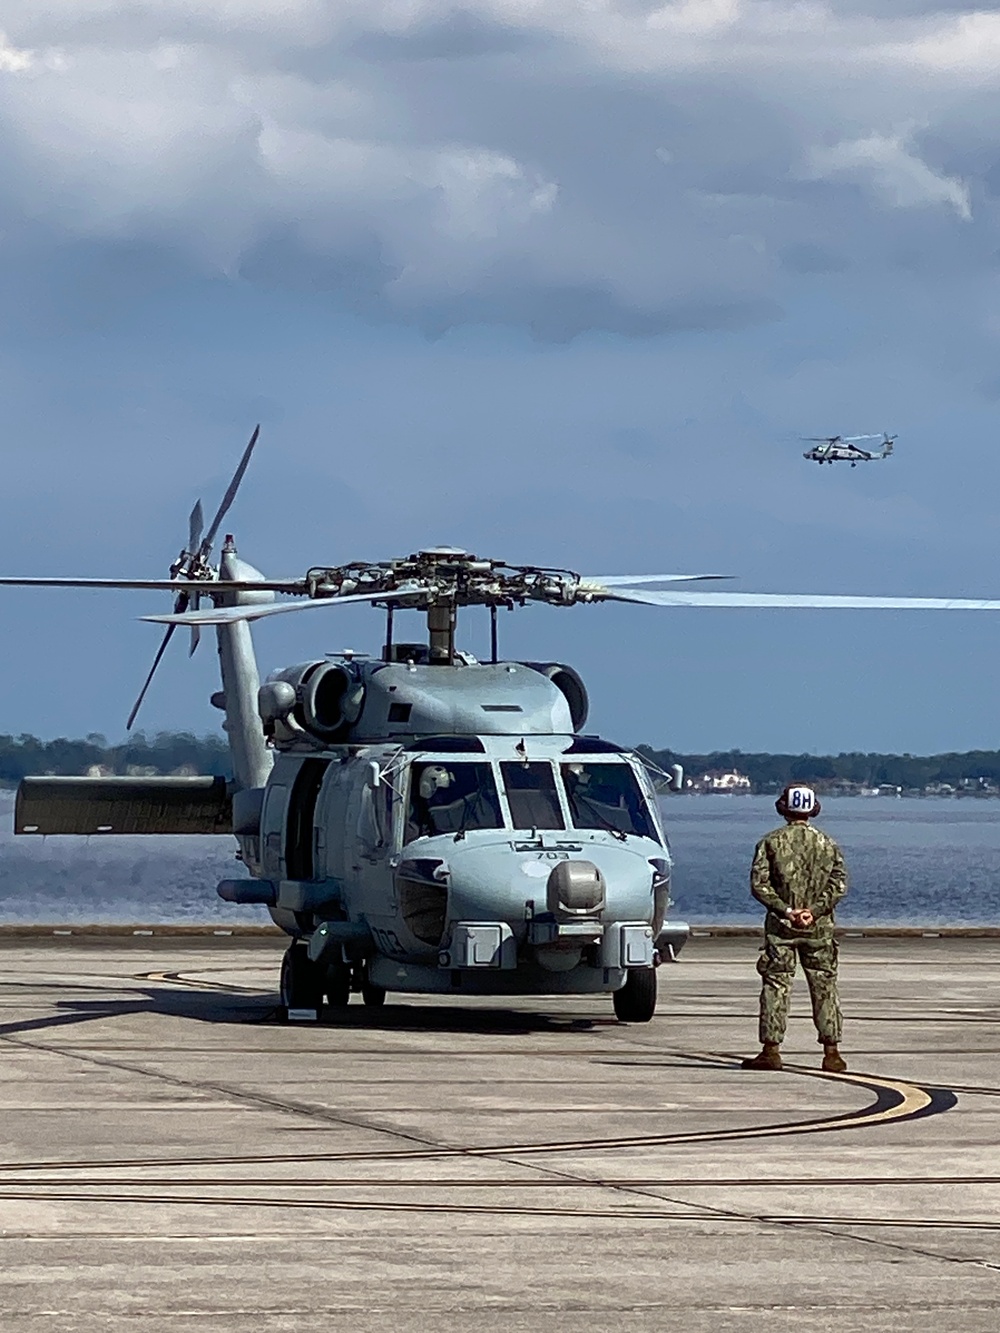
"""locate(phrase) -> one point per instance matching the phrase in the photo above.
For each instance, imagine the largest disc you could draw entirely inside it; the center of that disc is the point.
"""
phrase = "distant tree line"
(166, 752)
(770, 772)
(181, 751)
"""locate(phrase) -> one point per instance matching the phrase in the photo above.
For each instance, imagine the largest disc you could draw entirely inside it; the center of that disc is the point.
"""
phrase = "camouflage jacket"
(797, 866)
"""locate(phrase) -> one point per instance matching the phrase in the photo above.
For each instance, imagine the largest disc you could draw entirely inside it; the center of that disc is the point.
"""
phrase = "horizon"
(144, 737)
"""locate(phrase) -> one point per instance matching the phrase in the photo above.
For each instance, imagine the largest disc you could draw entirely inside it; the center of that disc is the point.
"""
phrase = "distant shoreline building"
(725, 782)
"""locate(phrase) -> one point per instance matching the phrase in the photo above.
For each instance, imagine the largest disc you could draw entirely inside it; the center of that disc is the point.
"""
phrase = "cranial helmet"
(435, 777)
(797, 802)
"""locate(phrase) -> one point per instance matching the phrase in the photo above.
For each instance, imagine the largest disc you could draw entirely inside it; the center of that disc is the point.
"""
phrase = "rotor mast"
(441, 620)
(445, 562)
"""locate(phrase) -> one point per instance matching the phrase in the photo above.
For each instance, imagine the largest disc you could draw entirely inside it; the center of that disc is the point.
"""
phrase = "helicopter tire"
(373, 996)
(337, 985)
(636, 1001)
(301, 980)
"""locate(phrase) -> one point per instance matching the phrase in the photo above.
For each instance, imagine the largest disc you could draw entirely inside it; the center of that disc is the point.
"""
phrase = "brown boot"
(769, 1058)
(833, 1061)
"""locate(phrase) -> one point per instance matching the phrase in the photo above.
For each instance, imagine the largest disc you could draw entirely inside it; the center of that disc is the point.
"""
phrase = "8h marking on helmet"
(801, 799)
(797, 802)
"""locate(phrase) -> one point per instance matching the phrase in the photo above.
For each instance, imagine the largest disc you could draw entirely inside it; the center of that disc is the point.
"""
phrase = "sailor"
(427, 799)
(798, 874)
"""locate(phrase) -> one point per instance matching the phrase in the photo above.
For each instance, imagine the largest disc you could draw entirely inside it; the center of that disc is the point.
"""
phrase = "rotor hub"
(448, 576)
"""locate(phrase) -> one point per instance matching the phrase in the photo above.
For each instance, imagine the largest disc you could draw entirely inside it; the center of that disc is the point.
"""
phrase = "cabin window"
(532, 796)
(299, 826)
(448, 745)
(592, 745)
(607, 796)
(451, 798)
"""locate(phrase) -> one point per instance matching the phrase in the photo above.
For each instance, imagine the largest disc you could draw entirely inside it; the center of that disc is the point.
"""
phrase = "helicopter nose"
(547, 908)
(610, 883)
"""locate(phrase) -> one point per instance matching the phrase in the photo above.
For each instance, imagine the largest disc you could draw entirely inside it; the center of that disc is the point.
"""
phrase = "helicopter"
(417, 821)
(845, 448)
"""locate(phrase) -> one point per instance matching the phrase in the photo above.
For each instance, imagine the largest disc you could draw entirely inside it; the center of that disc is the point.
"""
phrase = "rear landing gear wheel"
(338, 986)
(636, 1001)
(373, 996)
(301, 980)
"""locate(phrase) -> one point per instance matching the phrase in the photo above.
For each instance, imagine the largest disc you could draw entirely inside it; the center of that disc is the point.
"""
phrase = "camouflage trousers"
(776, 966)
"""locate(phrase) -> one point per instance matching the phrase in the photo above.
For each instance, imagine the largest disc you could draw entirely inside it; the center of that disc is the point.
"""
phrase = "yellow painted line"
(908, 1099)
(912, 1100)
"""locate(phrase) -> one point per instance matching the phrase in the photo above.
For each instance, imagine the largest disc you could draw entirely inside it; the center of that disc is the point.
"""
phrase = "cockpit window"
(607, 796)
(451, 798)
(532, 797)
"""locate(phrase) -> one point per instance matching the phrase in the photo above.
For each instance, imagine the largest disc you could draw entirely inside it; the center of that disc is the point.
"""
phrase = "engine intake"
(320, 699)
(570, 684)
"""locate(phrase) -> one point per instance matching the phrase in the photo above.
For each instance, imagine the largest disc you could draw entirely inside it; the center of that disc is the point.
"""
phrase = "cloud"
(12, 60)
(966, 45)
(627, 166)
(887, 164)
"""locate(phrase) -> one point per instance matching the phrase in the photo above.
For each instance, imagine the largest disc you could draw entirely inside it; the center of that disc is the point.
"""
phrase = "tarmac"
(173, 1157)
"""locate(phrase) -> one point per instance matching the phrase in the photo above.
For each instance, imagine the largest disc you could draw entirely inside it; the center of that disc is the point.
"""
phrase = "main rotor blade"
(627, 580)
(862, 437)
(290, 586)
(231, 615)
(196, 522)
(229, 496)
(149, 679)
(805, 601)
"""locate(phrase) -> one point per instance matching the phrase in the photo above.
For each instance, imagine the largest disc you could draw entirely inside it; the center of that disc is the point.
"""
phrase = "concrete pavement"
(172, 1157)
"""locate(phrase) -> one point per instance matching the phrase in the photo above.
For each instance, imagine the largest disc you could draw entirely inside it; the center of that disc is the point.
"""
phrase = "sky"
(559, 282)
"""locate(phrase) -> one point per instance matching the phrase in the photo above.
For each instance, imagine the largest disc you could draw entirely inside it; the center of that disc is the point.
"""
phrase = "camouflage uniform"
(798, 866)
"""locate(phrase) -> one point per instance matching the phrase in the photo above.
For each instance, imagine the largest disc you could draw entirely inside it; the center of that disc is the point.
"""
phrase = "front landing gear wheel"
(301, 980)
(636, 1001)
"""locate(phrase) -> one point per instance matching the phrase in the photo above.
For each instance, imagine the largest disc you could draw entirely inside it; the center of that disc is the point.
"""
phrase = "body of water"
(910, 862)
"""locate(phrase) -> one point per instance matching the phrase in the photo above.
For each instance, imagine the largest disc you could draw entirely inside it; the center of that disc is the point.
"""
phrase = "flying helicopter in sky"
(417, 821)
(847, 449)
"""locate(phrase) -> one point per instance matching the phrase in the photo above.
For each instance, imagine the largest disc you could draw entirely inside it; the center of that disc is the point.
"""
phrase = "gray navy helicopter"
(419, 821)
(847, 448)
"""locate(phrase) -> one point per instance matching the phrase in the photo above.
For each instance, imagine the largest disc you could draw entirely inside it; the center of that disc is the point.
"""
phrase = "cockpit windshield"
(532, 796)
(607, 796)
(451, 798)
(459, 795)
